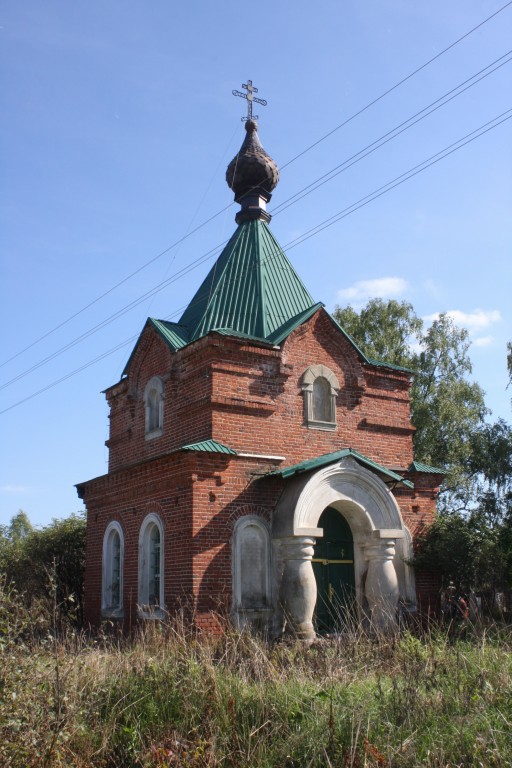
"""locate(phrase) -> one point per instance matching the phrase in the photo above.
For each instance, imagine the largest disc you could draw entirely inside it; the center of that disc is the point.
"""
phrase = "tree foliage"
(384, 330)
(446, 406)
(469, 552)
(46, 564)
(509, 362)
(472, 549)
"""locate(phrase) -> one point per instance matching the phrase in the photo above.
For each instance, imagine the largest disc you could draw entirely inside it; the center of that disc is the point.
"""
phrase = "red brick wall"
(198, 497)
(260, 404)
(249, 398)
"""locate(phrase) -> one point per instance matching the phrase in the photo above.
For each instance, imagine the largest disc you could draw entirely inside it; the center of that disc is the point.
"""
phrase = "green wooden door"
(333, 566)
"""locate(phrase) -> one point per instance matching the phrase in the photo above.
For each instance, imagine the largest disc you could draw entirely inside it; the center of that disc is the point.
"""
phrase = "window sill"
(153, 614)
(112, 613)
(328, 426)
(154, 433)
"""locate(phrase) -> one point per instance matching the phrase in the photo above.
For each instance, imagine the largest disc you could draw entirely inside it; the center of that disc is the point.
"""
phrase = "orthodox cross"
(251, 90)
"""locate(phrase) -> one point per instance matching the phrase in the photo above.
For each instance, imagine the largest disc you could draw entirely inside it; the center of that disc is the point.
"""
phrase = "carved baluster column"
(297, 593)
(381, 587)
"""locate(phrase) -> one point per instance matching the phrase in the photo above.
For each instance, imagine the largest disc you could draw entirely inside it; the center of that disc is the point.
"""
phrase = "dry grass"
(170, 698)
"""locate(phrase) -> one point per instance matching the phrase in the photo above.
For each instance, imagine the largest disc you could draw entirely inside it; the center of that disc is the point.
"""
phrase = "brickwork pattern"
(250, 398)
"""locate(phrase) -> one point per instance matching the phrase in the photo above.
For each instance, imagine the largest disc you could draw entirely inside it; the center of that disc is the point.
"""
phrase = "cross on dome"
(251, 90)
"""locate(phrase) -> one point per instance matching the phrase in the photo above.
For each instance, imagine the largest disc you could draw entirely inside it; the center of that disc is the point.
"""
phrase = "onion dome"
(253, 176)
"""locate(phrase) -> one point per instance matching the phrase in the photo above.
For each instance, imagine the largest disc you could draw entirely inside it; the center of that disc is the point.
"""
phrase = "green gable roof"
(251, 289)
(417, 466)
(174, 335)
(284, 331)
(330, 458)
(209, 446)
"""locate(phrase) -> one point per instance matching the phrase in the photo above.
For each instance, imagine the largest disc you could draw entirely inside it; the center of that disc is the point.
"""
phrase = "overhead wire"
(419, 168)
(198, 207)
(117, 285)
(397, 85)
(282, 167)
(308, 189)
(99, 326)
(449, 150)
(394, 132)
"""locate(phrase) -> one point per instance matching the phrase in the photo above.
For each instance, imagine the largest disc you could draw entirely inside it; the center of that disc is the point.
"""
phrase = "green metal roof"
(383, 364)
(240, 335)
(209, 446)
(329, 458)
(252, 288)
(417, 466)
(251, 292)
(173, 333)
(281, 334)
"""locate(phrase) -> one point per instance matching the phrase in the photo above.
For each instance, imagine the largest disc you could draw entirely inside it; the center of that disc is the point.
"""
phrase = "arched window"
(320, 388)
(151, 567)
(112, 582)
(251, 566)
(322, 410)
(154, 403)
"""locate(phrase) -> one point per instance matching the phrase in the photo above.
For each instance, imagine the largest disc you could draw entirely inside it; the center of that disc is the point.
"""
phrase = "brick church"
(261, 467)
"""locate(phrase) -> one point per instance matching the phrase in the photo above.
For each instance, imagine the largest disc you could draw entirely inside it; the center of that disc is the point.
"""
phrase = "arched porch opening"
(333, 568)
(379, 537)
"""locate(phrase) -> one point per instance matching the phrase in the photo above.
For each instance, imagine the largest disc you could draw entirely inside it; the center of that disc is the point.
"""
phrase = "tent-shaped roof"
(251, 289)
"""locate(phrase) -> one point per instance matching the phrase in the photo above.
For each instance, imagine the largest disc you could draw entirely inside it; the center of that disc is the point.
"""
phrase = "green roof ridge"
(329, 458)
(284, 331)
(208, 446)
(366, 359)
(174, 333)
(261, 286)
(393, 366)
(418, 466)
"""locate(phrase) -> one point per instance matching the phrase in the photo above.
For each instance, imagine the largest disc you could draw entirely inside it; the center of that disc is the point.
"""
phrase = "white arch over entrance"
(371, 510)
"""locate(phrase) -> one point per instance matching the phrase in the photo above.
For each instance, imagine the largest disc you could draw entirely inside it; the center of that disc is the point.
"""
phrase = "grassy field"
(166, 698)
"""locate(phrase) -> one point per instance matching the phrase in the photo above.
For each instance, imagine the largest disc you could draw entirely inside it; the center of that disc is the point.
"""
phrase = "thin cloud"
(474, 322)
(432, 288)
(380, 288)
(483, 341)
(14, 489)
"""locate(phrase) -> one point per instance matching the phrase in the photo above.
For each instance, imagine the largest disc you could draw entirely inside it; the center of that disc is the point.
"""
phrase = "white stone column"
(381, 588)
(297, 593)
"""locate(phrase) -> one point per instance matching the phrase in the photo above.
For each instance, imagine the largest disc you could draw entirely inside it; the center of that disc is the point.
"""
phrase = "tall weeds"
(169, 697)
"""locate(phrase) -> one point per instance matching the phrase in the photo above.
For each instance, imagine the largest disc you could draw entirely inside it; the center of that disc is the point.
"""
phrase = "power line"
(117, 285)
(308, 189)
(414, 171)
(393, 133)
(402, 178)
(289, 162)
(152, 292)
(397, 85)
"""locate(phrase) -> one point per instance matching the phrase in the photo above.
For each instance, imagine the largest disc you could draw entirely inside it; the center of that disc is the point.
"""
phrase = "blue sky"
(118, 125)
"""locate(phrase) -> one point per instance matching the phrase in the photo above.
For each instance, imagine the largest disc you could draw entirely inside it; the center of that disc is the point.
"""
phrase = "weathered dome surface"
(252, 170)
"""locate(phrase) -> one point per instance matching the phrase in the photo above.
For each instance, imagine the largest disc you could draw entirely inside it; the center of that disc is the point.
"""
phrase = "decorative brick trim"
(248, 509)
